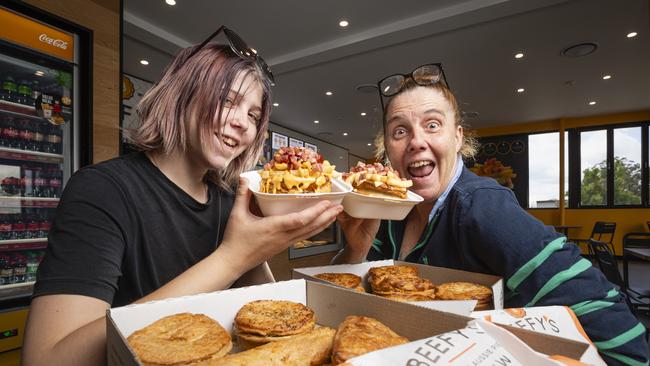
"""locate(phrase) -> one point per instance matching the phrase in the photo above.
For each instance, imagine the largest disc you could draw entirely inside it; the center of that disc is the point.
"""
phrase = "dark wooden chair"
(634, 240)
(608, 265)
(601, 229)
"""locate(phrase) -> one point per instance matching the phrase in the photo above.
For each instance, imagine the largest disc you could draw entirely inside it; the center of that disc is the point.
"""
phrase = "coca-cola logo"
(54, 42)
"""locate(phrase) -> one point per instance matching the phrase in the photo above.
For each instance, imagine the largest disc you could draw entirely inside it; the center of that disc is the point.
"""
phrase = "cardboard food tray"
(437, 275)
(330, 304)
(284, 203)
(368, 207)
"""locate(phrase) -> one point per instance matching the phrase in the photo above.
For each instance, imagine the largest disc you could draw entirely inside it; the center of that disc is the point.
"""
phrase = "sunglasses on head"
(424, 75)
(239, 47)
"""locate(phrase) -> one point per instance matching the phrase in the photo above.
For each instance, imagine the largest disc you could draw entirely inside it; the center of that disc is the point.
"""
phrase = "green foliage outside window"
(627, 183)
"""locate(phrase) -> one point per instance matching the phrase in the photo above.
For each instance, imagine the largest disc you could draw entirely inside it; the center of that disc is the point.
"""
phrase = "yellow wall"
(627, 220)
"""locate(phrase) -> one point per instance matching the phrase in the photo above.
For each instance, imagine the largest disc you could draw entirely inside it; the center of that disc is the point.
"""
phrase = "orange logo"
(32, 34)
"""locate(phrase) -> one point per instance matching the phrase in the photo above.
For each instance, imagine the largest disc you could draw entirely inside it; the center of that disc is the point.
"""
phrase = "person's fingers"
(243, 197)
(298, 219)
(315, 226)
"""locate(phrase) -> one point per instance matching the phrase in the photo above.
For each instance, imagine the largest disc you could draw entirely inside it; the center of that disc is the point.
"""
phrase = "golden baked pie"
(308, 349)
(264, 321)
(377, 180)
(347, 280)
(180, 339)
(358, 335)
(401, 284)
(466, 291)
(399, 270)
(297, 170)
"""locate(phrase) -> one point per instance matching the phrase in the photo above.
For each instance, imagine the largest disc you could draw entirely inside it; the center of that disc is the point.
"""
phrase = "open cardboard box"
(437, 275)
(330, 304)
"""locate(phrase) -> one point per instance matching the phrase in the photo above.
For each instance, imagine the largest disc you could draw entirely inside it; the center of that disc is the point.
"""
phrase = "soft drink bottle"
(6, 270)
(20, 268)
(27, 181)
(55, 182)
(18, 227)
(44, 225)
(5, 227)
(32, 266)
(33, 226)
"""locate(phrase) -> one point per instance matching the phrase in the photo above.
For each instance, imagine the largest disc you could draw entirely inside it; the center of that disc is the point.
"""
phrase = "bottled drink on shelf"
(26, 181)
(38, 138)
(18, 229)
(9, 89)
(55, 175)
(33, 260)
(36, 92)
(25, 134)
(32, 224)
(54, 139)
(5, 227)
(6, 270)
(20, 267)
(10, 132)
(25, 93)
(44, 224)
(39, 182)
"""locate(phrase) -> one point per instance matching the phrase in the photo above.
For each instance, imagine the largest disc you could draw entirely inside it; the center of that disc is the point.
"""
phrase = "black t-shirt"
(123, 230)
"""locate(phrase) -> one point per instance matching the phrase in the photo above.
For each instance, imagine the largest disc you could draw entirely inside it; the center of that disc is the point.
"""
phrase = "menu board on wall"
(505, 158)
(295, 142)
(278, 140)
(311, 146)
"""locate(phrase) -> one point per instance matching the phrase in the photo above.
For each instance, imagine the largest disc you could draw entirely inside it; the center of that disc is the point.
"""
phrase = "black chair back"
(636, 240)
(603, 228)
(606, 262)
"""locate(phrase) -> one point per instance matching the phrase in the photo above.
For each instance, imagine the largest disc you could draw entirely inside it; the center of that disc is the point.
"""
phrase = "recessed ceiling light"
(316, 121)
(328, 93)
(607, 77)
(144, 62)
(520, 90)
(345, 133)
(363, 114)
(276, 104)
(343, 23)
(39, 73)
(369, 144)
(593, 102)
(519, 55)
(171, 2)
(631, 35)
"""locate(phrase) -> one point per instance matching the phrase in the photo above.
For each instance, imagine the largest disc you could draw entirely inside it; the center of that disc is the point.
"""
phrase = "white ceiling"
(474, 39)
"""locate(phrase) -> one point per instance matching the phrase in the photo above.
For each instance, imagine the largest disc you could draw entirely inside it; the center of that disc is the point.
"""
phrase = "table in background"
(564, 229)
(643, 253)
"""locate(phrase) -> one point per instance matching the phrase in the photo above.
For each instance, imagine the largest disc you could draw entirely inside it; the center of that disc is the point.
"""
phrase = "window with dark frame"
(608, 166)
(604, 167)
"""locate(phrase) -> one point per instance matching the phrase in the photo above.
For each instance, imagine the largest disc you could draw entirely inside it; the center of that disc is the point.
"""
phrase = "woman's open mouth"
(420, 168)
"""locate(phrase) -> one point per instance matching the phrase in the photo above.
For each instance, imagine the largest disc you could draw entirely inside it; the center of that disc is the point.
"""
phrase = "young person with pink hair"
(165, 222)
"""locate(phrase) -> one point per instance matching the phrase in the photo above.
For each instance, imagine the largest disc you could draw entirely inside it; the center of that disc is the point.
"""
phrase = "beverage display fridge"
(44, 129)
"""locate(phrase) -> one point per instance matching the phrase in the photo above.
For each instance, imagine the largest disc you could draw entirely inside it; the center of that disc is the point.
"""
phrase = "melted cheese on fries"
(297, 170)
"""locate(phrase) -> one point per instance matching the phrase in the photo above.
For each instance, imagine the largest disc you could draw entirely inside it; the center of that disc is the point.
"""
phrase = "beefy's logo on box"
(537, 324)
(449, 347)
(52, 41)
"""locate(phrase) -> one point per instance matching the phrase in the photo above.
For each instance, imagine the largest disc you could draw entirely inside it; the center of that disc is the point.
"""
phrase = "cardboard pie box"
(330, 304)
(437, 275)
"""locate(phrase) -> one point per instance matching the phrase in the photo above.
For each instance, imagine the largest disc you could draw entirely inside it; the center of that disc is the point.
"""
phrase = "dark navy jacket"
(481, 228)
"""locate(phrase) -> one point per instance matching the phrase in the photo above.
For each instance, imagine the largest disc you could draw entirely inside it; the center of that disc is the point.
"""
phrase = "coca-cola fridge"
(45, 122)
